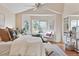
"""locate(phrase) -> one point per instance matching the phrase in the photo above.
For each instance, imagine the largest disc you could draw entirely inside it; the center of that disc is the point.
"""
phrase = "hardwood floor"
(68, 52)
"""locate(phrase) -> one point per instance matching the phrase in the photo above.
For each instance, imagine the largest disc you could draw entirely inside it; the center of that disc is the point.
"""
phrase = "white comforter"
(27, 46)
(23, 46)
(5, 48)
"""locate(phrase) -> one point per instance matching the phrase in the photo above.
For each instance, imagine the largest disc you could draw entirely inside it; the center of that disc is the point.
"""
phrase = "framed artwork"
(2, 20)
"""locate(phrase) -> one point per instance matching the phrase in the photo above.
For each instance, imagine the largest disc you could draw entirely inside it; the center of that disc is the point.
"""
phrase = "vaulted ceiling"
(18, 7)
(64, 8)
(45, 7)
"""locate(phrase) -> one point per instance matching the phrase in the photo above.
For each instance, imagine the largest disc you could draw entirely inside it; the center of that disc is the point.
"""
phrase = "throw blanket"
(27, 46)
(56, 51)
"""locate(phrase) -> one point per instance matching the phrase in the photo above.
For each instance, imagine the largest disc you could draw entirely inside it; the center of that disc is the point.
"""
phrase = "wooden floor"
(68, 52)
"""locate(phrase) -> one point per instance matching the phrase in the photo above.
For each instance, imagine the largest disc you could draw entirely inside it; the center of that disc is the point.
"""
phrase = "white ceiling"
(41, 10)
(18, 7)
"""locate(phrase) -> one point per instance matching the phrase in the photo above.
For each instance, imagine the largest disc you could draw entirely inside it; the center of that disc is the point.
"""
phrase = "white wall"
(71, 8)
(58, 28)
(9, 17)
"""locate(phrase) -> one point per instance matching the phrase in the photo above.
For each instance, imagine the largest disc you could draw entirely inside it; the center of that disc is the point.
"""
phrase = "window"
(26, 24)
(77, 28)
(39, 26)
(43, 26)
(36, 25)
(75, 25)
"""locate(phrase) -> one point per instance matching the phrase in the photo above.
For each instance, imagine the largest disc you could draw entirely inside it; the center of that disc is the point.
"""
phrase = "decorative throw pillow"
(49, 34)
(13, 33)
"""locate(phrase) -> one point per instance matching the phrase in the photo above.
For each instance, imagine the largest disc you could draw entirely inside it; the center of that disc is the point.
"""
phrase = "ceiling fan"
(37, 6)
(44, 5)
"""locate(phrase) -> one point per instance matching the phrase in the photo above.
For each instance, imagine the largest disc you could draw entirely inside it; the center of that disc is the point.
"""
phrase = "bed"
(5, 48)
(25, 45)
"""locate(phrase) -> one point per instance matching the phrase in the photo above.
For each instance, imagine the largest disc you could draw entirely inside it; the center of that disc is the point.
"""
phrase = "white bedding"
(23, 46)
(5, 48)
(26, 46)
(31, 39)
